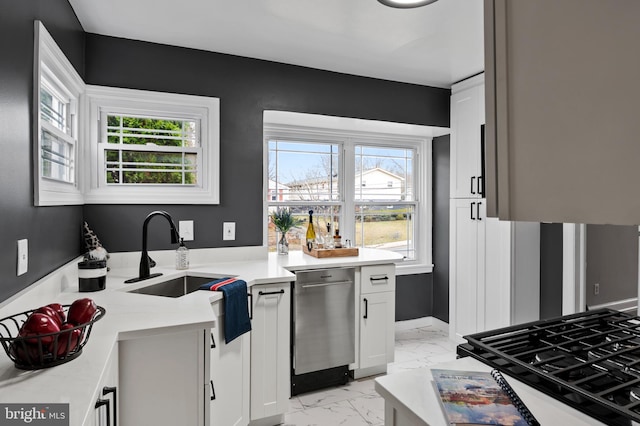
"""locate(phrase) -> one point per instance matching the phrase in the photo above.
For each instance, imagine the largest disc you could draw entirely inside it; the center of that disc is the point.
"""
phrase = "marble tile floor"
(357, 403)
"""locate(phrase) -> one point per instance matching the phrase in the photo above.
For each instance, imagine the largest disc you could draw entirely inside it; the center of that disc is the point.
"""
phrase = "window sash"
(57, 154)
(187, 172)
(316, 185)
(389, 162)
(398, 238)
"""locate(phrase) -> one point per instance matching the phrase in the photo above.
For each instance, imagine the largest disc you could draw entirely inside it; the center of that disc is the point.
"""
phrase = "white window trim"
(50, 192)
(207, 109)
(366, 132)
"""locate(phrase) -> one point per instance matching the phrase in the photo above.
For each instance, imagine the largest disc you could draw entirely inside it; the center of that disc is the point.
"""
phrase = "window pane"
(303, 171)
(387, 227)
(150, 167)
(54, 110)
(57, 155)
(131, 130)
(384, 174)
(325, 219)
(152, 150)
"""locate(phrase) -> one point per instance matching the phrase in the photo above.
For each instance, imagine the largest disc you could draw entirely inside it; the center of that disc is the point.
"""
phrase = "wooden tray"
(336, 252)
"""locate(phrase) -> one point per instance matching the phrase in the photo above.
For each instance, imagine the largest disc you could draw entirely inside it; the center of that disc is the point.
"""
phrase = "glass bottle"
(182, 256)
(311, 233)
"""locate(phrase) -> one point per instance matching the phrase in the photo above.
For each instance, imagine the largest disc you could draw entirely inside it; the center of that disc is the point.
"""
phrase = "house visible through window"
(363, 185)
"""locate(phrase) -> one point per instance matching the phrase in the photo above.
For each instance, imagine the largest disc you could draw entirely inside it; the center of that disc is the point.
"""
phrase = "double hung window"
(151, 147)
(369, 187)
(57, 89)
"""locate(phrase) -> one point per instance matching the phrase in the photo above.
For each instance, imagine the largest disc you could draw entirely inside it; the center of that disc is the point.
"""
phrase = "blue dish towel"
(236, 312)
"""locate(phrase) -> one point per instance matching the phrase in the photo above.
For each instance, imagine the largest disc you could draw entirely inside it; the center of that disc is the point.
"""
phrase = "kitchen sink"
(175, 287)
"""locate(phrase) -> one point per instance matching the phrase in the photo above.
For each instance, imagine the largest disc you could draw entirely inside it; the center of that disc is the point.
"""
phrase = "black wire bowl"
(44, 350)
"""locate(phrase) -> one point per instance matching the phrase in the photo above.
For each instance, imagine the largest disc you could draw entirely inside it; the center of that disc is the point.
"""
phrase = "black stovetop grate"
(589, 360)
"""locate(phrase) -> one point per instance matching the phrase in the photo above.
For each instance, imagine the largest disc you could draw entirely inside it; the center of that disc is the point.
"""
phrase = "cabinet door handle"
(213, 391)
(266, 293)
(478, 211)
(213, 341)
(250, 297)
(385, 278)
(472, 205)
(106, 391)
(366, 308)
(100, 403)
(481, 186)
(472, 179)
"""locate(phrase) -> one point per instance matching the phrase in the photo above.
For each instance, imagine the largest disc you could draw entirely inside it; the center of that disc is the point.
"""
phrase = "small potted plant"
(284, 221)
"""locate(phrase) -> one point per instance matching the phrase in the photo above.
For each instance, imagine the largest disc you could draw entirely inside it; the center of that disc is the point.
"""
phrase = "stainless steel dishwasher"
(323, 341)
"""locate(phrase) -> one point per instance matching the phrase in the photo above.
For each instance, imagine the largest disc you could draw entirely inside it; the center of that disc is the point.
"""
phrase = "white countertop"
(413, 394)
(131, 315)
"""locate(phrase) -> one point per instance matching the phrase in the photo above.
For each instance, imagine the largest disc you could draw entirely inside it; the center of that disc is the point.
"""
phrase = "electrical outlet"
(229, 231)
(186, 230)
(596, 289)
(23, 257)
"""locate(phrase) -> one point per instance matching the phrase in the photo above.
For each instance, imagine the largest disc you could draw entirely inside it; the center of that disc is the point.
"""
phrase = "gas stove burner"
(553, 361)
(625, 396)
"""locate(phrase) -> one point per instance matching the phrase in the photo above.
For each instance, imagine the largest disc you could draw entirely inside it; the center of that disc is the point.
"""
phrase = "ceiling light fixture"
(406, 4)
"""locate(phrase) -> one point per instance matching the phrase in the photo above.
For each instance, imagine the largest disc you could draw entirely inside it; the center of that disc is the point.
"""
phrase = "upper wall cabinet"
(467, 116)
(562, 116)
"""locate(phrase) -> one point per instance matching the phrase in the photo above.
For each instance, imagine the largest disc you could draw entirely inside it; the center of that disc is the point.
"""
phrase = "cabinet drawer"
(377, 278)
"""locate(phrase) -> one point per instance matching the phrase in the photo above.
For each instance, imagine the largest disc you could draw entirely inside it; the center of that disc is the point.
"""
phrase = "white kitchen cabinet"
(270, 353)
(377, 329)
(163, 378)
(494, 270)
(467, 115)
(376, 319)
(230, 370)
(106, 406)
(494, 276)
(467, 266)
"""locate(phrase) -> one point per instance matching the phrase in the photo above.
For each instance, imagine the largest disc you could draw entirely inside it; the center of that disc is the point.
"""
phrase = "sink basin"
(175, 287)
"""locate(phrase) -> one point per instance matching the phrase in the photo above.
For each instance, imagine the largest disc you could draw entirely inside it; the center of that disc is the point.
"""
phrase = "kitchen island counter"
(410, 398)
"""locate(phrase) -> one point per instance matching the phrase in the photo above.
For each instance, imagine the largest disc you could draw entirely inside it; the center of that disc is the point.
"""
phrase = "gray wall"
(550, 270)
(612, 261)
(53, 232)
(414, 296)
(246, 87)
(441, 191)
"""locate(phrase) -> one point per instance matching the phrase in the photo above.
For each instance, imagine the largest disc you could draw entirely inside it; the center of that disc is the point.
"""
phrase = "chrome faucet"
(145, 261)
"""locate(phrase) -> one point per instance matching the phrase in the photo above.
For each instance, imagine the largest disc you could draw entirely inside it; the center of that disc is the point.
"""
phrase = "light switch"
(186, 229)
(23, 257)
(229, 231)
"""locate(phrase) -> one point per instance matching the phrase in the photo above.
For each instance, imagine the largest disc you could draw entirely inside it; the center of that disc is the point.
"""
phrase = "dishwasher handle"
(321, 284)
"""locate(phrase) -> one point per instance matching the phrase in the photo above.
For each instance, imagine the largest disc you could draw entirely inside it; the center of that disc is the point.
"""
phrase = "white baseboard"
(422, 322)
